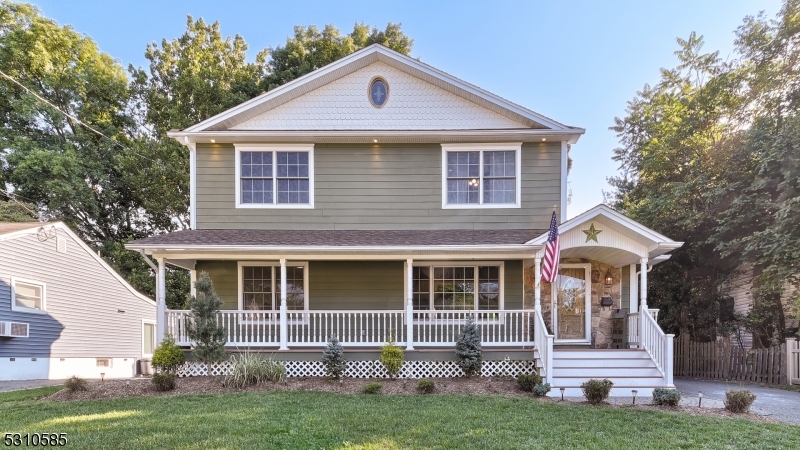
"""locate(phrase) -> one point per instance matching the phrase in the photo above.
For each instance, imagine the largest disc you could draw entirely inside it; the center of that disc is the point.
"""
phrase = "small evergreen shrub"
(527, 382)
(596, 391)
(164, 381)
(666, 397)
(252, 368)
(168, 357)
(468, 349)
(739, 401)
(373, 388)
(206, 333)
(76, 383)
(333, 358)
(391, 356)
(426, 386)
(540, 390)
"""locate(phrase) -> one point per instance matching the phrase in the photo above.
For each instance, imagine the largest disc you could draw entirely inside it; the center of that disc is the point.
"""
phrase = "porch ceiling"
(611, 256)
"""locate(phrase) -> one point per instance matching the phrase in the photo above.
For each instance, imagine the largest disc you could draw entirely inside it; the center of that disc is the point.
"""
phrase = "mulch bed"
(476, 385)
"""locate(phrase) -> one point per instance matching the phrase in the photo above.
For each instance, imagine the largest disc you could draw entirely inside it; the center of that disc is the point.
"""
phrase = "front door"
(572, 308)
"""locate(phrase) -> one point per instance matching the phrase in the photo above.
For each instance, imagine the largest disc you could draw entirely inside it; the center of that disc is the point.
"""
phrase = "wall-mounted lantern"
(609, 277)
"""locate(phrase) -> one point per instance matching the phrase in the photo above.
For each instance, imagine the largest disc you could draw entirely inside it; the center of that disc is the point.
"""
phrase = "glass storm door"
(571, 303)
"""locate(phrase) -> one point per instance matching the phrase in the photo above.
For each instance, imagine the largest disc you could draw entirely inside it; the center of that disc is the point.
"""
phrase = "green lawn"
(321, 420)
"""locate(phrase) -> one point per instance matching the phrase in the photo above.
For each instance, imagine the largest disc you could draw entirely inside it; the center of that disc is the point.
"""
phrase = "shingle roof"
(11, 227)
(343, 238)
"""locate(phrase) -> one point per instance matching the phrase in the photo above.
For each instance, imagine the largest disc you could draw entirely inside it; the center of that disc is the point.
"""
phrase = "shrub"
(468, 349)
(164, 381)
(540, 390)
(739, 401)
(168, 357)
(596, 391)
(426, 386)
(251, 368)
(207, 334)
(666, 397)
(391, 356)
(333, 358)
(76, 383)
(529, 381)
(373, 388)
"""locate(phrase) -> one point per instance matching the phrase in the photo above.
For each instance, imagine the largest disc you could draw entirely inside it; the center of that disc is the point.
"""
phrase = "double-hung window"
(27, 296)
(451, 287)
(481, 175)
(260, 286)
(274, 176)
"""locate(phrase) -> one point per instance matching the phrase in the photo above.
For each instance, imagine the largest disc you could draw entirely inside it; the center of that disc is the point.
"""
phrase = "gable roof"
(13, 230)
(233, 119)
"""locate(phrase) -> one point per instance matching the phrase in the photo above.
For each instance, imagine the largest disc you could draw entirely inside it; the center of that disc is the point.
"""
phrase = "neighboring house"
(379, 196)
(64, 311)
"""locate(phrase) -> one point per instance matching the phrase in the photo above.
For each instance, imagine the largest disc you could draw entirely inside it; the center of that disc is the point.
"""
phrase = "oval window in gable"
(378, 92)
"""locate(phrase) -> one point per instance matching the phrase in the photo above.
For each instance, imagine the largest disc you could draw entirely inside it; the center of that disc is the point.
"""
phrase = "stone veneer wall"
(601, 317)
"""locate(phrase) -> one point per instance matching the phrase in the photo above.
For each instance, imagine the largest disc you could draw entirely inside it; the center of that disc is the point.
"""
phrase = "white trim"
(507, 147)
(283, 93)
(23, 309)
(275, 275)
(192, 186)
(153, 323)
(564, 159)
(274, 149)
(458, 263)
(588, 305)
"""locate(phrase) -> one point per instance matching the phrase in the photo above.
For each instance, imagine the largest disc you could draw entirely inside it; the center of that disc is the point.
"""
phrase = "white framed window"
(28, 296)
(260, 286)
(274, 176)
(481, 175)
(148, 338)
(452, 286)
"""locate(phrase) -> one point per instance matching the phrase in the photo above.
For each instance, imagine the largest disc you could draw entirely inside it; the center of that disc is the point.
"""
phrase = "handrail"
(544, 343)
(657, 344)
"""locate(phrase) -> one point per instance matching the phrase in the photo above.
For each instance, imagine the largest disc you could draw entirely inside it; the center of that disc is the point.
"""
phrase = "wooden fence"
(721, 360)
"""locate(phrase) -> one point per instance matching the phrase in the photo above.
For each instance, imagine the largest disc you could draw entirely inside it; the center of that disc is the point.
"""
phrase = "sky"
(578, 62)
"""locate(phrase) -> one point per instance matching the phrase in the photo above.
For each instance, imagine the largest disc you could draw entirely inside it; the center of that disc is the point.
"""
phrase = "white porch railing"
(633, 329)
(544, 343)
(363, 328)
(657, 344)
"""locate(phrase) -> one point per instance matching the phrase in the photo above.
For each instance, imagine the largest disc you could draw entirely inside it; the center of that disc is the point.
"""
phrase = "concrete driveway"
(17, 385)
(776, 403)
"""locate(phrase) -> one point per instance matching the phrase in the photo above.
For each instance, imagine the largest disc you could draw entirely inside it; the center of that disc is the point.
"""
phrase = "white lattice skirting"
(374, 369)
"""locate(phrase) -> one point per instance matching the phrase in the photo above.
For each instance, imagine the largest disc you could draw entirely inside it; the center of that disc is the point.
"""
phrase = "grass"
(323, 420)
(29, 394)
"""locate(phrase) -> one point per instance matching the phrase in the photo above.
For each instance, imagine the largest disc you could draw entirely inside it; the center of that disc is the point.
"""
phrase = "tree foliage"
(469, 350)
(15, 211)
(709, 156)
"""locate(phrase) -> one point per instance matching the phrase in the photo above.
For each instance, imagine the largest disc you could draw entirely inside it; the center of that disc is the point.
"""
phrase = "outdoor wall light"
(634, 392)
(699, 399)
(102, 376)
(609, 277)
(562, 393)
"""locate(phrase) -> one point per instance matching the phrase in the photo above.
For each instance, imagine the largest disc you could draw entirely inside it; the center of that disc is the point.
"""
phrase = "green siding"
(625, 295)
(224, 275)
(355, 284)
(513, 285)
(377, 187)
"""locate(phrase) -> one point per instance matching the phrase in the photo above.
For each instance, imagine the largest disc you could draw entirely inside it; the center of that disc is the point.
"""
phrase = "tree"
(468, 349)
(12, 211)
(202, 327)
(333, 357)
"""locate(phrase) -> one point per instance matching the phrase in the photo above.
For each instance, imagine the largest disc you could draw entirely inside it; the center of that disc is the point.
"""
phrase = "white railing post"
(537, 292)
(410, 305)
(669, 359)
(284, 322)
(161, 301)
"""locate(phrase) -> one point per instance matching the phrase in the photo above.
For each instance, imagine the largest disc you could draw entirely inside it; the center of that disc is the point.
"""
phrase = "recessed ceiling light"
(543, 139)
(212, 141)
(375, 141)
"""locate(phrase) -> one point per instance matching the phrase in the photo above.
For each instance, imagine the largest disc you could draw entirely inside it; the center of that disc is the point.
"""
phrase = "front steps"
(627, 368)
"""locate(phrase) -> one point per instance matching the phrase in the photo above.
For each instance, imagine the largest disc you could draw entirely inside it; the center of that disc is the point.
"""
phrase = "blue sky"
(578, 62)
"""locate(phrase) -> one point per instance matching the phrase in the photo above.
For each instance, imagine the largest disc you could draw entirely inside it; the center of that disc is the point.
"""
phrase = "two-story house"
(379, 196)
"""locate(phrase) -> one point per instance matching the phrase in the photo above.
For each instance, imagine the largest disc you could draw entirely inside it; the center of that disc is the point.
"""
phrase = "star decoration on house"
(591, 234)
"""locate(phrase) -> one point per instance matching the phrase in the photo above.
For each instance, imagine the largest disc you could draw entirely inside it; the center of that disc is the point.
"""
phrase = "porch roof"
(342, 239)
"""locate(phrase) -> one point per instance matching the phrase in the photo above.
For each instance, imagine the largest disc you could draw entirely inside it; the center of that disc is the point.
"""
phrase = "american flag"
(552, 253)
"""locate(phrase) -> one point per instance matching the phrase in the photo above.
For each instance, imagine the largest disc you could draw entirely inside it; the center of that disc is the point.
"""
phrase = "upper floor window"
(481, 175)
(274, 176)
(27, 296)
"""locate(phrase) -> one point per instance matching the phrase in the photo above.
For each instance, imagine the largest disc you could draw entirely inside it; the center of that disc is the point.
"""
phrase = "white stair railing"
(544, 343)
(657, 344)
(633, 330)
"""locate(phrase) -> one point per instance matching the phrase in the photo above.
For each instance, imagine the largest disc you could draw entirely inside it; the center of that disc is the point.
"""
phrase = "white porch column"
(192, 281)
(161, 301)
(284, 310)
(644, 284)
(634, 289)
(410, 305)
(537, 291)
